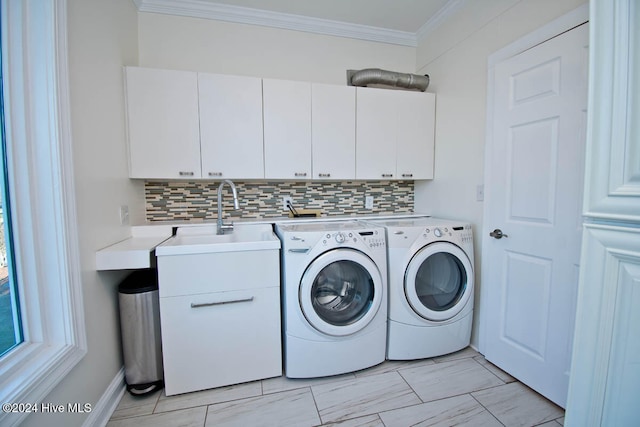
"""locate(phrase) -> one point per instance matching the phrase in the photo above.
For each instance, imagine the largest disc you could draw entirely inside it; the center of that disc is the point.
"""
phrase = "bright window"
(44, 262)
(10, 320)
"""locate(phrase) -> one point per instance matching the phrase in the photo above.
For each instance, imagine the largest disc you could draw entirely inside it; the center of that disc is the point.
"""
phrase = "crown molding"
(243, 15)
(436, 20)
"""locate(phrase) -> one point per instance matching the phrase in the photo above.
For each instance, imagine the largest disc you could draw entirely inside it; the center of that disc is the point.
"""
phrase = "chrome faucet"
(221, 225)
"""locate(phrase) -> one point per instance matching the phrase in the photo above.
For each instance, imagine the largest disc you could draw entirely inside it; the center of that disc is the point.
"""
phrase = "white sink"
(196, 240)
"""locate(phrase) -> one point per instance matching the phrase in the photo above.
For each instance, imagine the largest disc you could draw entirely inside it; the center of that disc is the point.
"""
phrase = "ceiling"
(389, 21)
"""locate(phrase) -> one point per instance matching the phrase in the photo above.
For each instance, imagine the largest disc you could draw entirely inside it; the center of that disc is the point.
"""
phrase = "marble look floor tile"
(278, 384)
(289, 408)
(517, 405)
(461, 410)
(133, 406)
(560, 421)
(494, 369)
(193, 417)
(449, 379)
(362, 396)
(208, 397)
(462, 354)
(367, 421)
(553, 423)
(392, 366)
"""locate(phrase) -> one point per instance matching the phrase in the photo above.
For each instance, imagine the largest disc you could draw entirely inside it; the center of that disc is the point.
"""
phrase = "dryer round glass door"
(438, 281)
(341, 292)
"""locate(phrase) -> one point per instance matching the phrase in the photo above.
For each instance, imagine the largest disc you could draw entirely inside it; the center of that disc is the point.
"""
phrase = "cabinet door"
(333, 131)
(415, 143)
(287, 129)
(231, 126)
(217, 339)
(376, 131)
(162, 113)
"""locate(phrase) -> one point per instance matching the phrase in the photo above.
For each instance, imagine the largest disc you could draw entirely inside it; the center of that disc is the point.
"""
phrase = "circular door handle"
(497, 234)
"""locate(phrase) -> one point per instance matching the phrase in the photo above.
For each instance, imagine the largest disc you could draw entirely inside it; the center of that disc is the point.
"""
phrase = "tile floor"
(458, 389)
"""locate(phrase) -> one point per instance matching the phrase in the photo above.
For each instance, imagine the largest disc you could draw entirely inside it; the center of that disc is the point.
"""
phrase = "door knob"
(497, 234)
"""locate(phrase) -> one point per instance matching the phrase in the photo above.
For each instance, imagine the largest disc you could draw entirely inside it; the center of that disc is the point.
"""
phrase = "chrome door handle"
(497, 234)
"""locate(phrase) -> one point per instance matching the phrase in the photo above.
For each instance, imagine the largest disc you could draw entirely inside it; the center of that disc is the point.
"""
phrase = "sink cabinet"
(220, 318)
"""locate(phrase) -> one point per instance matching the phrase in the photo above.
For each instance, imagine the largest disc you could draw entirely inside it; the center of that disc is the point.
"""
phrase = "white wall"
(102, 37)
(455, 57)
(227, 48)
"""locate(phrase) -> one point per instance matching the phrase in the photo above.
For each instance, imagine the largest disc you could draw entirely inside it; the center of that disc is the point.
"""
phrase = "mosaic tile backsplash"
(197, 200)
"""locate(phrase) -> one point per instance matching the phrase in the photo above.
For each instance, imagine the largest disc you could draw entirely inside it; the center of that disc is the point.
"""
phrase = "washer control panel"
(372, 239)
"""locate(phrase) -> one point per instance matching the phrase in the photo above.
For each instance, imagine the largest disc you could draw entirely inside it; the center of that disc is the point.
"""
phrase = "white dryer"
(334, 297)
(431, 281)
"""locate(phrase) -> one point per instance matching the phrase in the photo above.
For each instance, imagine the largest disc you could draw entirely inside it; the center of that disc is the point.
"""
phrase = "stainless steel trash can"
(140, 328)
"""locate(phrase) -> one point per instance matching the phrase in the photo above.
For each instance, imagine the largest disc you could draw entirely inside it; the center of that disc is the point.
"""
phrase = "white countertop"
(138, 250)
(135, 252)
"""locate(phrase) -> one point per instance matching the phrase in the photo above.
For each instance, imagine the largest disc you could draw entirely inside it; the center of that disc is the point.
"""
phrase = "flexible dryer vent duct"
(388, 78)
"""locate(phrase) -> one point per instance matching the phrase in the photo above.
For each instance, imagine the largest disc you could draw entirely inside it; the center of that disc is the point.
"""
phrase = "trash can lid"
(145, 280)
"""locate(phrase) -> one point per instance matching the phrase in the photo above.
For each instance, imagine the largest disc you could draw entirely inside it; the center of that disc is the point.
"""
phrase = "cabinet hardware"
(387, 175)
(209, 304)
(215, 173)
(324, 175)
(300, 174)
(182, 173)
(407, 175)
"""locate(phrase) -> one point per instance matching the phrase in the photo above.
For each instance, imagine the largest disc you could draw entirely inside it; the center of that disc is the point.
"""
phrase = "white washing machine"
(431, 281)
(334, 297)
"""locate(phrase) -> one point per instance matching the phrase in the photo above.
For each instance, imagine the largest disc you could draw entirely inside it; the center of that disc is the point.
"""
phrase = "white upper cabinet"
(394, 134)
(376, 125)
(416, 133)
(164, 136)
(287, 129)
(231, 126)
(333, 124)
(189, 125)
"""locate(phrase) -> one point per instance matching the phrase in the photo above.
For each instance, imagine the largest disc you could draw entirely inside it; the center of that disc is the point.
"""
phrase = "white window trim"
(38, 131)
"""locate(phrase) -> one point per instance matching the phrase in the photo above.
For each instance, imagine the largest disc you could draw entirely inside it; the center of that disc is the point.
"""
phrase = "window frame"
(40, 170)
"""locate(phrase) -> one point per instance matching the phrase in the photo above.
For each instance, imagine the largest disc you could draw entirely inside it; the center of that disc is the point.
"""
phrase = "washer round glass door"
(341, 292)
(438, 281)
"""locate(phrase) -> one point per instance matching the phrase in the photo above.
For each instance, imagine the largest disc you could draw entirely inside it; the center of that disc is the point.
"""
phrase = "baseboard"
(103, 409)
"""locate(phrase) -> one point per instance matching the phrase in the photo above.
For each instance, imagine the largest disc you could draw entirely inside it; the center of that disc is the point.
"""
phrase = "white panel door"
(333, 131)
(287, 129)
(231, 126)
(605, 372)
(162, 116)
(534, 183)
(613, 158)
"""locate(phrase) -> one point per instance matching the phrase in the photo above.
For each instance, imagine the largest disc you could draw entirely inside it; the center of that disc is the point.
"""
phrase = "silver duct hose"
(389, 78)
